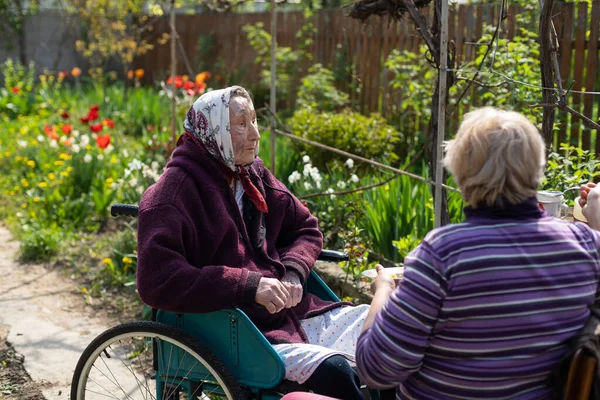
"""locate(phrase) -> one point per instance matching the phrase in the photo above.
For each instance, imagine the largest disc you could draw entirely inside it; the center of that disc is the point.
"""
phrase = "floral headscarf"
(208, 122)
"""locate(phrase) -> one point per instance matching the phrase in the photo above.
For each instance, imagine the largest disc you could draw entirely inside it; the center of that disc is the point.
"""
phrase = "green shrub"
(367, 136)
(39, 244)
(318, 91)
(570, 167)
(120, 267)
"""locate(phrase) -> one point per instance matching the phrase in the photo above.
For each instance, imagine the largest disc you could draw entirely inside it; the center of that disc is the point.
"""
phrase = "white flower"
(332, 197)
(133, 181)
(22, 143)
(87, 158)
(40, 138)
(100, 157)
(330, 190)
(294, 177)
(305, 159)
(109, 148)
(341, 184)
(76, 148)
(307, 185)
(75, 133)
(53, 144)
(84, 141)
(350, 163)
(354, 178)
(125, 153)
(140, 189)
(154, 165)
(307, 170)
(126, 173)
(135, 165)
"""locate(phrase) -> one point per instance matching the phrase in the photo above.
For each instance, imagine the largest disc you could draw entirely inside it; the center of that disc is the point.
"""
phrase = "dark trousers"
(336, 378)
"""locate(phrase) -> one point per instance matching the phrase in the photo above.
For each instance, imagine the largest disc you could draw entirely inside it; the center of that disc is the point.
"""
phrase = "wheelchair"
(217, 355)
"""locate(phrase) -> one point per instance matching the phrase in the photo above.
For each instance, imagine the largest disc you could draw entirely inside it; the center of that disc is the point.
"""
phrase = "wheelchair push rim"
(150, 361)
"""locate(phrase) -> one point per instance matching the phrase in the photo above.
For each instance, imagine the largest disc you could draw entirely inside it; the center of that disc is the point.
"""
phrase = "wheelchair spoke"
(102, 394)
(130, 369)
(110, 371)
(120, 364)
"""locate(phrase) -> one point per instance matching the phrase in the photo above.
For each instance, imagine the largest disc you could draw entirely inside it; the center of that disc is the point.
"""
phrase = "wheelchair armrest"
(124, 209)
(333, 256)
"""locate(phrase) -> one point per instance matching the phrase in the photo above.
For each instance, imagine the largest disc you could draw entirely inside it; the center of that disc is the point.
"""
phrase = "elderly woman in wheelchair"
(220, 240)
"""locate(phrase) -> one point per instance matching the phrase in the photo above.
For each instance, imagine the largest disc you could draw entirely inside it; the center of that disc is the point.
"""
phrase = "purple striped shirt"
(486, 308)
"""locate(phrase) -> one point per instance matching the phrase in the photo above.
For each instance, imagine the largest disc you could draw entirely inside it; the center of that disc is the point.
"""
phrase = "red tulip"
(64, 115)
(92, 115)
(16, 90)
(84, 120)
(67, 129)
(103, 141)
(95, 108)
(96, 128)
(109, 122)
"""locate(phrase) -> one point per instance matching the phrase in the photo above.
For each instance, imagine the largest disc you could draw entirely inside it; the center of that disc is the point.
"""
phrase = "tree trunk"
(433, 147)
(547, 72)
(433, 122)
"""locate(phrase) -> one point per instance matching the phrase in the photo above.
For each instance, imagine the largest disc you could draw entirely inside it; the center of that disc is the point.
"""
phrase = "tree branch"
(481, 84)
(590, 123)
(501, 18)
(421, 25)
(547, 70)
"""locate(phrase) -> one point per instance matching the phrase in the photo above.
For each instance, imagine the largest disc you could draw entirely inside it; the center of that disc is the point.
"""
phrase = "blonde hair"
(497, 156)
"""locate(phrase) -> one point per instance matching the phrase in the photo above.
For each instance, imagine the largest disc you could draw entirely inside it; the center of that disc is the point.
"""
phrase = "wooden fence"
(366, 47)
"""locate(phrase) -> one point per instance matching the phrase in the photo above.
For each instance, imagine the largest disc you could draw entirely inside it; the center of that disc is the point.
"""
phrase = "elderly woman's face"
(244, 130)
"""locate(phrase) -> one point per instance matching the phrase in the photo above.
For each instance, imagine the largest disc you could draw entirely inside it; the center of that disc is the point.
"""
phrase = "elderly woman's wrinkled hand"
(292, 283)
(383, 281)
(272, 294)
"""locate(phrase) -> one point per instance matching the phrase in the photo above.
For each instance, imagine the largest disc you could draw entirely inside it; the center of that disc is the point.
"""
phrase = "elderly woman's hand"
(272, 294)
(292, 283)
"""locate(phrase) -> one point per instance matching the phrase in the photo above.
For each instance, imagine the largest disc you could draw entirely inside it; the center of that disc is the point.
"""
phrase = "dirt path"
(47, 320)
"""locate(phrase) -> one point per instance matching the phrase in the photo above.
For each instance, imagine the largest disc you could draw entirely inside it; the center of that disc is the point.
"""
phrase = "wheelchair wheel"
(151, 361)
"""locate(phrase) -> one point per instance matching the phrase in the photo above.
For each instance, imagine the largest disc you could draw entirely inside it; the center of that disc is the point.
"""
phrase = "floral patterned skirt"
(333, 333)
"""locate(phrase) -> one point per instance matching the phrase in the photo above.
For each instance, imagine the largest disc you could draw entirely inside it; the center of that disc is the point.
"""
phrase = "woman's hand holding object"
(383, 281)
(291, 281)
(272, 294)
(589, 200)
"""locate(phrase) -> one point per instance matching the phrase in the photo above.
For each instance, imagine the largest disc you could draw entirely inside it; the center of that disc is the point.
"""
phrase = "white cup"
(551, 201)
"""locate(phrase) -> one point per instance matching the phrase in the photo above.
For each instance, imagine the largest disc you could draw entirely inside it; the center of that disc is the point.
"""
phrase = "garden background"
(81, 132)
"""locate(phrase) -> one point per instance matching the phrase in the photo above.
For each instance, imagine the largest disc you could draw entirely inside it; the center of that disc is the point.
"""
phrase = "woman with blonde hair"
(487, 307)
